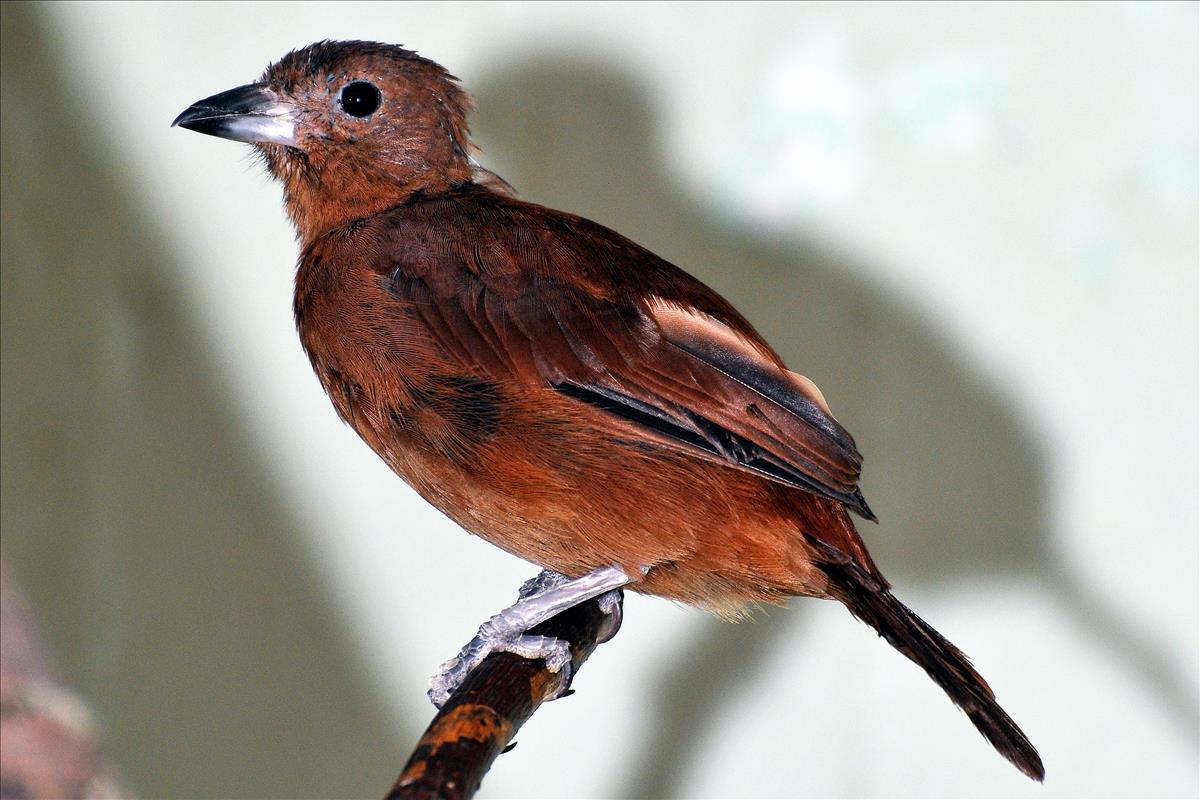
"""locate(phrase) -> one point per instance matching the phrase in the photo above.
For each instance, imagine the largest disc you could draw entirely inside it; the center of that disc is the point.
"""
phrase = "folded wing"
(553, 300)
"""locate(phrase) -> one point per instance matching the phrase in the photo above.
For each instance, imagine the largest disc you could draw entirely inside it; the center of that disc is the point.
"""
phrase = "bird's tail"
(871, 602)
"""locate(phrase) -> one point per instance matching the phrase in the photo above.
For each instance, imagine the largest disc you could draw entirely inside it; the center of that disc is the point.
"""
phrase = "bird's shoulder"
(477, 235)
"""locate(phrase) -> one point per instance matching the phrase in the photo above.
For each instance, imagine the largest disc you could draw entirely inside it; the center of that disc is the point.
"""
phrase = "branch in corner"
(480, 719)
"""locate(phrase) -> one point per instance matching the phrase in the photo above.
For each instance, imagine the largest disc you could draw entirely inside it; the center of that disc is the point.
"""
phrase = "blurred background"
(973, 225)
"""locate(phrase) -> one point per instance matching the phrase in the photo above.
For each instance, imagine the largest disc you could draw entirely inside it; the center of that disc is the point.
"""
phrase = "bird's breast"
(383, 371)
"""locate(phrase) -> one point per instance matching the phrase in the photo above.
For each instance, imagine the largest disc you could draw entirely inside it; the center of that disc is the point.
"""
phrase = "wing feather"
(552, 300)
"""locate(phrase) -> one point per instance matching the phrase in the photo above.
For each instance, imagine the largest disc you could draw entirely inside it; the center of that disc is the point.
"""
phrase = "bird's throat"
(323, 197)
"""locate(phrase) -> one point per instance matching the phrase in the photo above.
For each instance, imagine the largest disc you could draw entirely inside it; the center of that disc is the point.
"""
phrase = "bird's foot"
(540, 599)
(541, 583)
(496, 637)
(609, 602)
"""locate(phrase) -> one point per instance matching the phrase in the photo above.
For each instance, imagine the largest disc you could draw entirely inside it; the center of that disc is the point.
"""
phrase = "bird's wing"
(525, 293)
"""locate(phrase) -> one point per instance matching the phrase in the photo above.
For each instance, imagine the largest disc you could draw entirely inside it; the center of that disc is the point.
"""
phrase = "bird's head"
(350, 128)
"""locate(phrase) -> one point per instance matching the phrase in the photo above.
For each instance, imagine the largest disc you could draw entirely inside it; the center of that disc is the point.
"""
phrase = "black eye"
(360, 99)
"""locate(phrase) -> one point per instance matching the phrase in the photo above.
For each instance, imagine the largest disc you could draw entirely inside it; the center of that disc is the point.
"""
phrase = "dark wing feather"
(514, 290)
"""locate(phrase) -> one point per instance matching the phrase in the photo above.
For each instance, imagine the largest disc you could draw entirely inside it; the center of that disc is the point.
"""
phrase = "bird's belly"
(552, 487)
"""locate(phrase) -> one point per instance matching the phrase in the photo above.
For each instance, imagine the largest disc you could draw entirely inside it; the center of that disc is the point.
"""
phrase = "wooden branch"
(485, 713)
(50, 746)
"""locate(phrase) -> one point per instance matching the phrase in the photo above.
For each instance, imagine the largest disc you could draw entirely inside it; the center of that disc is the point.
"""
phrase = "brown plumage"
(550, 385)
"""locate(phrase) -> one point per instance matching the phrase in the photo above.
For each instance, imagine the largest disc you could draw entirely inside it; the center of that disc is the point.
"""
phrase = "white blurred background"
(973, 225)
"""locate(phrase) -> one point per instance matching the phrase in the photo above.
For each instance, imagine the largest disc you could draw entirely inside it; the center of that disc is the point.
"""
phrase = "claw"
(610, 604)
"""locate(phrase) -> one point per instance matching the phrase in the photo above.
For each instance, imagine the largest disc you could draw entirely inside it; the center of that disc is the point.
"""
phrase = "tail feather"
(871, 602)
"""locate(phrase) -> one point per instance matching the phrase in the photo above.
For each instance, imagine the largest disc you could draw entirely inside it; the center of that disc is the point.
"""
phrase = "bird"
(551, 386)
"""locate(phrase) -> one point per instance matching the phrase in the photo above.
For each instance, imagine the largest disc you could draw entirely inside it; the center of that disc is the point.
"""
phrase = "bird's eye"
(360, 99)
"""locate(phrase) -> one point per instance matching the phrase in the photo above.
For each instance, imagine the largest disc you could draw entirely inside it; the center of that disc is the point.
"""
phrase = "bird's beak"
(252, 113)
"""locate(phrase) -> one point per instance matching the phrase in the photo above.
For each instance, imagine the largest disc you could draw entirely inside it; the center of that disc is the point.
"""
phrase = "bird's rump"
(510, 292)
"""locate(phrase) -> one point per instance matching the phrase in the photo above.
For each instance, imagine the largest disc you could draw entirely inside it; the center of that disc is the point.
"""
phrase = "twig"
(50, 746)
(485, 713)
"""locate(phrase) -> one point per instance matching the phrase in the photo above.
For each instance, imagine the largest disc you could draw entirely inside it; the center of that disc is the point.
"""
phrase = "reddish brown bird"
(550, 385)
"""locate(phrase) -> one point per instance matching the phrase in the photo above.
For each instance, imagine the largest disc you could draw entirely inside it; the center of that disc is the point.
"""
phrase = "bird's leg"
(540, 599)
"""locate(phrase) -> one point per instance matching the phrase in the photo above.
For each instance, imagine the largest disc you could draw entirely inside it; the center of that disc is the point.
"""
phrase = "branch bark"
(484, 714)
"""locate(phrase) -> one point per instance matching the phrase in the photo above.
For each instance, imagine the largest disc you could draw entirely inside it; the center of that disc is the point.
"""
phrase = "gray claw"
(610, 603)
